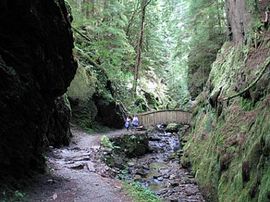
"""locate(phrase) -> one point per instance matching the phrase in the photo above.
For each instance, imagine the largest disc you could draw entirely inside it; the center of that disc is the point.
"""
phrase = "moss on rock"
(83, 85)
(229, 153)
(80, 95)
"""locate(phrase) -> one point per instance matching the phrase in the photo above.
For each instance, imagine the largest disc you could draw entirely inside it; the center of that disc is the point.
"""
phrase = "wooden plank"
(164, 116)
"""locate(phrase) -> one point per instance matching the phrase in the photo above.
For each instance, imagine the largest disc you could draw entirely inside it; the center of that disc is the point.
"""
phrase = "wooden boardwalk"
(164, 116)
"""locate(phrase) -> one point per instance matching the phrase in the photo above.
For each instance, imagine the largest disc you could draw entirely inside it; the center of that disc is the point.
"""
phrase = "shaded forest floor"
(76, 174)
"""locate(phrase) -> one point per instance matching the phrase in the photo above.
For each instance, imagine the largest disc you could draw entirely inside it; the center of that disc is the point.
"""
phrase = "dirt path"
(75, 174)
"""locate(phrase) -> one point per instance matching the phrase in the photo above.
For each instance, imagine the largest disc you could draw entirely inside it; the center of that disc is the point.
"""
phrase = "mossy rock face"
(197, 79)
(83, 112)
(229, 152)
(80, 95)
(109, 113)
(83, 85)
(92, 100)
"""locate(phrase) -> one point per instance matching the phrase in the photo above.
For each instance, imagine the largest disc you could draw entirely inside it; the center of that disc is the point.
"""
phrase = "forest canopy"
(149, 46)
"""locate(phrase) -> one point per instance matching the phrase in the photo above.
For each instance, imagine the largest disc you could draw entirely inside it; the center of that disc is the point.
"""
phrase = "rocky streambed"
(153, 160)
(86, 171)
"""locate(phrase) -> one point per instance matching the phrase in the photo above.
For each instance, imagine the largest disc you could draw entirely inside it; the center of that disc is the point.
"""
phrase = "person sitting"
(127, 123)
(135, 122)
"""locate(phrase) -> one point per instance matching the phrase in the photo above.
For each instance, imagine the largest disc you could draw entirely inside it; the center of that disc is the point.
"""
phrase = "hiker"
(135, 122)
(127, 123)
(266, 17)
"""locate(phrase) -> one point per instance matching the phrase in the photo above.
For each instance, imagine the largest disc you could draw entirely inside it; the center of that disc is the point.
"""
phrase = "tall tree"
(144, 4)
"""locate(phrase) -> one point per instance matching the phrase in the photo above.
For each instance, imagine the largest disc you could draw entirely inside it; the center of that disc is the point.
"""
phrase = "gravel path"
(75, 176)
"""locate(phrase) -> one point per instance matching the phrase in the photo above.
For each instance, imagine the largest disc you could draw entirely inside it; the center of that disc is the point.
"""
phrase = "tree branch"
(266, 64)
(81, 34)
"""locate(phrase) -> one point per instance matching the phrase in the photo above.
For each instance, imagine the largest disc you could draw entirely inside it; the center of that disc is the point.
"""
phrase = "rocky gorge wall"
(36, 67)
(228, 148)
(93, 101)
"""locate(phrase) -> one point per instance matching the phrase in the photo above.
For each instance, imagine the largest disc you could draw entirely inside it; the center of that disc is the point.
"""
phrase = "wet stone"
(86, 158)
(172, 176)
(90, 167)
(77, 166)
(141, 172)
(137, 177)
(131, 163)
(174, 184)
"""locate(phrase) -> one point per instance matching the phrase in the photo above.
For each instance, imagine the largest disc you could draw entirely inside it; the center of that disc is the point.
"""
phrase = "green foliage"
(139, 193)
(246, 104)
(105, 142)
(173, 31)
(206, 24)
(112, 29)
(12, 196)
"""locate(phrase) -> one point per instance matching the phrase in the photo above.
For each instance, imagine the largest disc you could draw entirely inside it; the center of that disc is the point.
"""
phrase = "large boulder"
(134, 145)
(36, 66)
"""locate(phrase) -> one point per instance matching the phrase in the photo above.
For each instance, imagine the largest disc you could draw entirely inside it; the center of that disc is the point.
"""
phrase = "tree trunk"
(144, 3)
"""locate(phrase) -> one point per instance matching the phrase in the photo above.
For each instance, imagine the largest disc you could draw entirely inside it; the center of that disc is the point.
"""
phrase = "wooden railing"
(165, 116)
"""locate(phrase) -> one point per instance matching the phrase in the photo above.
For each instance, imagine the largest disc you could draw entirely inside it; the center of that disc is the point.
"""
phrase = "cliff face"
(92, 100)
(36, 66)
(229, 146)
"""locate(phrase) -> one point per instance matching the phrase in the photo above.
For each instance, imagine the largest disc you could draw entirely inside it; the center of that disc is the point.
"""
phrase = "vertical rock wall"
(36, 66)
(229, 145)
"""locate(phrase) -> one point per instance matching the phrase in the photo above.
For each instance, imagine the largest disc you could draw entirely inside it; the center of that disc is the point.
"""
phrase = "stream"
(159, 169)
(85, 171)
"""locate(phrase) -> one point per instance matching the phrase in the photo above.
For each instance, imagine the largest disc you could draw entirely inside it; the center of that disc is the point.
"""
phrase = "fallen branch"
(91, 61)
(81, 34)
(266, 64)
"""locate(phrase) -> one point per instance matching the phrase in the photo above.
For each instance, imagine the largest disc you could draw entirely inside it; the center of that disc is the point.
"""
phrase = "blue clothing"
(135, 122)
(127, 124)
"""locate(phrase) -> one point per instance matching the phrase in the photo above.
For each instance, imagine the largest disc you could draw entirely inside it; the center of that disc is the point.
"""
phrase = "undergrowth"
(139, 193)
(105, 142)
(12, 196)
(246, 104)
